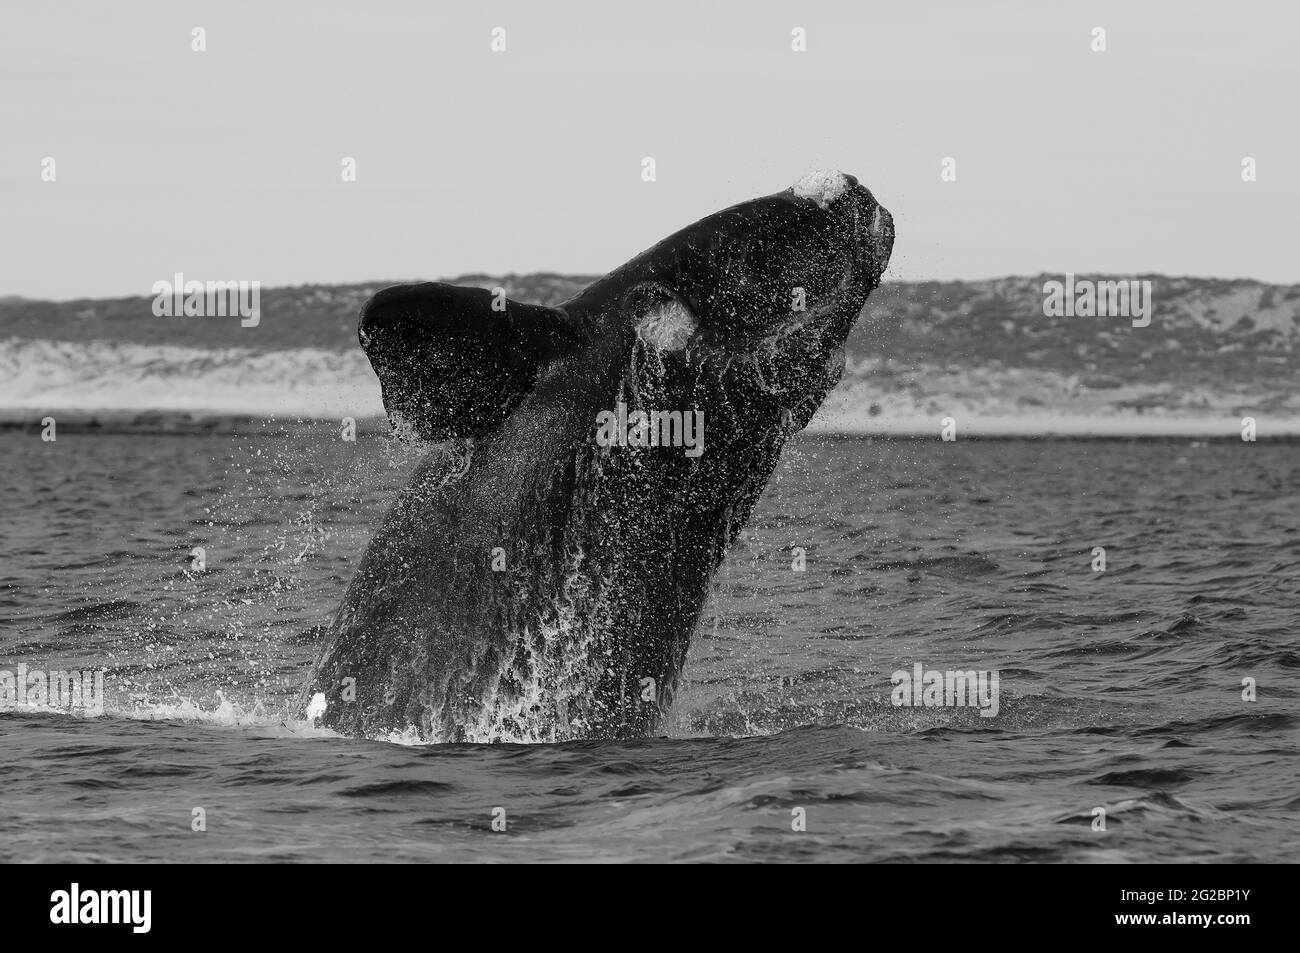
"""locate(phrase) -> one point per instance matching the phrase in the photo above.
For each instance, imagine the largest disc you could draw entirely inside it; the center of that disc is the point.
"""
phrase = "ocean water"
(1119, 690)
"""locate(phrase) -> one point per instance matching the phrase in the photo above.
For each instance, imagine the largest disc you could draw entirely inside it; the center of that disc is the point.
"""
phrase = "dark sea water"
(1119, 690)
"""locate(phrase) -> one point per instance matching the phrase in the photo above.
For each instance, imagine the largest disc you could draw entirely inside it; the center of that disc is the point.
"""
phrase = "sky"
(227, 164)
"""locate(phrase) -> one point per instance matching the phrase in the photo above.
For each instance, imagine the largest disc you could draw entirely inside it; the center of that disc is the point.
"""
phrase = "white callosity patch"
(823, 186)
(667, 326)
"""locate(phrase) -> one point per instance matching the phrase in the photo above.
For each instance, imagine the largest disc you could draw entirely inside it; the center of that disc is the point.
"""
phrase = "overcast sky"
(226, 164)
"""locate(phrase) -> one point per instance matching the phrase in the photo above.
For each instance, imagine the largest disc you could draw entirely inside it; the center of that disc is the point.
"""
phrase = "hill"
(981, 351)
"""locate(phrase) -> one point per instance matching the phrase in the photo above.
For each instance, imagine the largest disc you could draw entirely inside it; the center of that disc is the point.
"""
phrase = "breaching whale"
(541, 575)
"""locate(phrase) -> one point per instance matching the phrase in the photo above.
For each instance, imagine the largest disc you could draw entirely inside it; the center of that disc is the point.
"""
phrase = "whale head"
(757, 298)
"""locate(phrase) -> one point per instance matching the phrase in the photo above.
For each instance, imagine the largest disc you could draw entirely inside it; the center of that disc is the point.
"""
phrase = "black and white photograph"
(567, 432)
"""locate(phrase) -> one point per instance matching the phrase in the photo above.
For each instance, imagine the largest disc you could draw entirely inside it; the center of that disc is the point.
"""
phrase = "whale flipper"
(450, 363)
